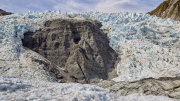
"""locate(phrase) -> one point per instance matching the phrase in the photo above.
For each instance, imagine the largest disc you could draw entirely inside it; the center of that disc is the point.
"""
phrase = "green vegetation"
(168, 1)
(161, 8)
(174, 6)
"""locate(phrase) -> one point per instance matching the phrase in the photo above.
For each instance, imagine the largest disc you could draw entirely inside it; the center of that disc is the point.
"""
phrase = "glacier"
(147, 45)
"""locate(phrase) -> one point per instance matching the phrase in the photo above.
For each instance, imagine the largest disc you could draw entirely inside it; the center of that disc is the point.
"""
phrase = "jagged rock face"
(77, 46)
(4, 12)
(165, 86)
(168, 9)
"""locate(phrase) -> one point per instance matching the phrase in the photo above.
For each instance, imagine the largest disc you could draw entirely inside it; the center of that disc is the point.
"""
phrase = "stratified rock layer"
(78, 47)
(168, 9)
(164, 86)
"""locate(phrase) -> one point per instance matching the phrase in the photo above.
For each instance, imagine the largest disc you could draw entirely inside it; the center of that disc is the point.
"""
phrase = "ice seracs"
(148, 45)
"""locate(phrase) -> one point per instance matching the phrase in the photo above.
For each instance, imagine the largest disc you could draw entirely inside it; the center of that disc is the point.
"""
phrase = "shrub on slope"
(168, 9)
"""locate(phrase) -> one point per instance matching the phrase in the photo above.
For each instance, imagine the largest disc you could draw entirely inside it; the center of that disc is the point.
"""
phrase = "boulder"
(79, 47)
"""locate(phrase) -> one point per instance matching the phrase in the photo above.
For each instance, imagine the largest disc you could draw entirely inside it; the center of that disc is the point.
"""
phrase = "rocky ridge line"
(168, 9)
(2, 12)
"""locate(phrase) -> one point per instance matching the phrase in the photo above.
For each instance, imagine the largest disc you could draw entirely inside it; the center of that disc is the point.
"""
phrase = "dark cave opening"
(76, 40)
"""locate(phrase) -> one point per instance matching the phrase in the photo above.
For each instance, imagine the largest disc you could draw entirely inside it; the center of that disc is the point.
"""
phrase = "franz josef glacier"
(148, 47)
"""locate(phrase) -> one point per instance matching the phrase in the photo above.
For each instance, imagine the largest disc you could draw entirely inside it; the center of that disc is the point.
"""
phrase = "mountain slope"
(4, 12)
(168, 9)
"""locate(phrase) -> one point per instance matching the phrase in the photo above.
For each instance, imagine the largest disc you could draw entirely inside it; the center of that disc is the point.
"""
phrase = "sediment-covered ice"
(147, 45)
(15, 89)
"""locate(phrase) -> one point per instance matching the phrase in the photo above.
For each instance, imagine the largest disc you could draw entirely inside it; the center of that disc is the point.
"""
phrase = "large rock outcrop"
(168, 9)
(78, 47)
(4, 12)
(164, 86)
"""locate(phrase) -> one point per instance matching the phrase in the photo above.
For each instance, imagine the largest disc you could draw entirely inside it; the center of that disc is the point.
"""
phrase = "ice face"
(147, 45)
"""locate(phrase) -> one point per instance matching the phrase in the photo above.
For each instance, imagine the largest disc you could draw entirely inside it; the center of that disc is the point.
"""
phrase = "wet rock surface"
(164, 86)
(78, 50)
